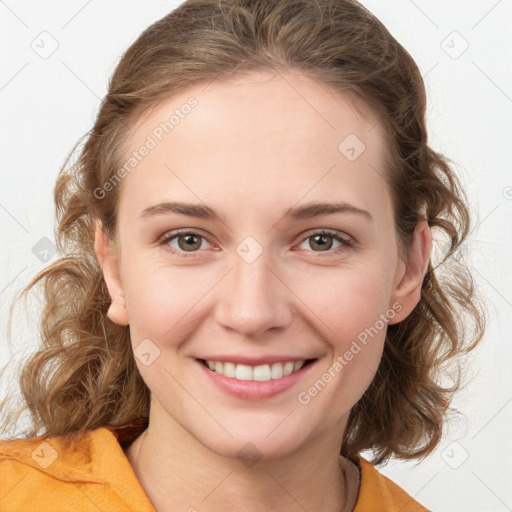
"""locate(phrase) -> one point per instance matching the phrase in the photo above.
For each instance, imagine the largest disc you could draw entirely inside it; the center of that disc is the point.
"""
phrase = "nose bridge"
(252, 279)
(255, 299)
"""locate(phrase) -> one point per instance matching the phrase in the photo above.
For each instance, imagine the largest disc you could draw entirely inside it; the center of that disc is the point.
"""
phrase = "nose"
(254, 298)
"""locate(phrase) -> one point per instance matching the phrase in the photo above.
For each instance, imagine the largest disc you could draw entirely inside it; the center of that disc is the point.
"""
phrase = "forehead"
(252, 139)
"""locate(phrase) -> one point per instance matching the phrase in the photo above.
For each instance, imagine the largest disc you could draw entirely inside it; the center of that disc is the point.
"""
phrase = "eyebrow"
(306, 211)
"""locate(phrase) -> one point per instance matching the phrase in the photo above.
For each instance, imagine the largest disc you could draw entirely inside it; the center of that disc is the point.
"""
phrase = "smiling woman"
(255, 301)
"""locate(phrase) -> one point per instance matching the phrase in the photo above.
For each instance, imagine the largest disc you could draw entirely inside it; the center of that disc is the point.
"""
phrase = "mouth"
(259, 381)
(260, 373)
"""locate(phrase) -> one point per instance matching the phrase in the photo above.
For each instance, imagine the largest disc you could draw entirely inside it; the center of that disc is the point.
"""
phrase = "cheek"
(165, 309)
(161, 300)
(349, 301)
(351, 315)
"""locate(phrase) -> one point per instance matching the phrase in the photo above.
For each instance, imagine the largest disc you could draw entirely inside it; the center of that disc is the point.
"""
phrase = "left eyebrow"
(311, 210)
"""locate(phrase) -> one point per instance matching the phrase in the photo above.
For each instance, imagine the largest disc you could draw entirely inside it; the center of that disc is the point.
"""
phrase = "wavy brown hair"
(84, 375)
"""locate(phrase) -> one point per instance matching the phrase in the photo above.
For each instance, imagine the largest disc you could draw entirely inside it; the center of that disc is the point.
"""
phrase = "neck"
(179, 473)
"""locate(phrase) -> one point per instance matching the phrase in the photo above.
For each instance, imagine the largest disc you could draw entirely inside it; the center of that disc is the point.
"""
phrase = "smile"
(261, 373)
(261, 380)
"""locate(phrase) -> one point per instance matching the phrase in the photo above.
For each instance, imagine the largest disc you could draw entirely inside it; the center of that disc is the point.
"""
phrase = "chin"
(252, 444)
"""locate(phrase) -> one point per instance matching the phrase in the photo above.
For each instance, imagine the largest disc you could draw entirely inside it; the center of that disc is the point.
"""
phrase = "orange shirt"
(92, 473)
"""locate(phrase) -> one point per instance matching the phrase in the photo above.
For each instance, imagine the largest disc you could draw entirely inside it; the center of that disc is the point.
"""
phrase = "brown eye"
(189, 242)
(183, 242)
(323, 241)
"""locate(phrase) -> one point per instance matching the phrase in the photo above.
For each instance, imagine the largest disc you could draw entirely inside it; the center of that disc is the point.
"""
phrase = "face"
(253, 268)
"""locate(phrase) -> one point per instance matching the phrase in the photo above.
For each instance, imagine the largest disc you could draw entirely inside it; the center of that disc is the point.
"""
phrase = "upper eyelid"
(173, 233)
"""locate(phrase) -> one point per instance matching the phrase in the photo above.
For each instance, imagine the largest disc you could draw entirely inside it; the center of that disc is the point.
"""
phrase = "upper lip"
(254, 361)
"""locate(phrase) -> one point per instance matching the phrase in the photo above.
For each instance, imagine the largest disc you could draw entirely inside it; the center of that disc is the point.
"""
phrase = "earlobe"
(408, 291)
(109, 263)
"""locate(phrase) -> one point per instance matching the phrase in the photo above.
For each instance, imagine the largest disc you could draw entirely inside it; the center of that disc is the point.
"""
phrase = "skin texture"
(250, 149)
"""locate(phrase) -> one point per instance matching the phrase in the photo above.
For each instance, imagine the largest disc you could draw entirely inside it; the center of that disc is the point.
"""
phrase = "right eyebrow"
(192, 210)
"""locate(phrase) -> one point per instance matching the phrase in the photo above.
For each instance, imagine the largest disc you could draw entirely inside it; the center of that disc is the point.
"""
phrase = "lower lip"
(255, 390)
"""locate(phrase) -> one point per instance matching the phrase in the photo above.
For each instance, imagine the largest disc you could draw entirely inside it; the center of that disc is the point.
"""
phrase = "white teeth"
(229, 370)
(287, 368)
(298, 365)
(260, 373)
(242, 372)
(277, 371)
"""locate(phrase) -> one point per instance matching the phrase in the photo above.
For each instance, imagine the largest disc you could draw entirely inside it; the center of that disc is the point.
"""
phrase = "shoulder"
(378, 493)
(84, 471)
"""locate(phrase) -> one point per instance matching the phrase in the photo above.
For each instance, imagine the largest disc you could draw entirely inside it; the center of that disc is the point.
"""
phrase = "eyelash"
(167, 237)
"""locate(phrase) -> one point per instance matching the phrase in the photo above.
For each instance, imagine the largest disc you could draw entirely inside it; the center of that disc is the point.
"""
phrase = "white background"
(48, 103)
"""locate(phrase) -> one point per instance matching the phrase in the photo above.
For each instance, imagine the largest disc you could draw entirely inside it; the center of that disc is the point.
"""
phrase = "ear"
(109, 261)
(407, 292)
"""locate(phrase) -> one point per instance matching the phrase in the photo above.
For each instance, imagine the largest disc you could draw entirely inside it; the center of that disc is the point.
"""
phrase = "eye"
(323, 241)
(188, 243)
(183, 242)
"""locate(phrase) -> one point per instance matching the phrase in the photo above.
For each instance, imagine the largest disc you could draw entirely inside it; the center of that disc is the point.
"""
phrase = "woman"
(247, 298)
